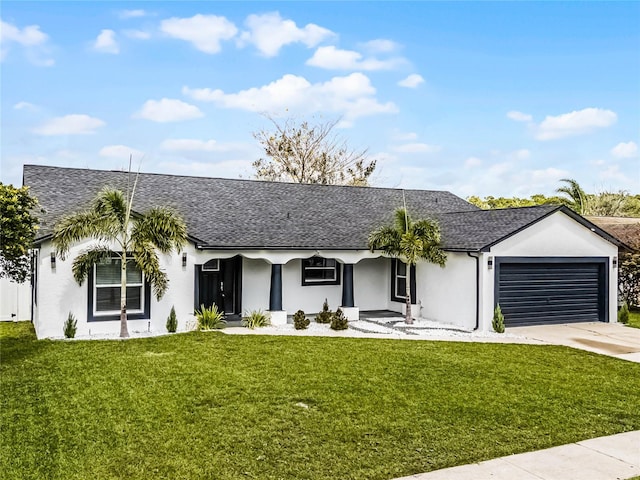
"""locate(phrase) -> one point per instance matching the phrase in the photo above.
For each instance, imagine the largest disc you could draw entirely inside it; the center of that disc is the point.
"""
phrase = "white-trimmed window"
(400, 275)
(320, 271)
(105, 288)
(400, 280)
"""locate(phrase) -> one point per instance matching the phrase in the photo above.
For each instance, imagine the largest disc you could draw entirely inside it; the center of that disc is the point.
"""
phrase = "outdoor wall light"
(53, 260)
(615, 262)
(490, 263)
(184, 259)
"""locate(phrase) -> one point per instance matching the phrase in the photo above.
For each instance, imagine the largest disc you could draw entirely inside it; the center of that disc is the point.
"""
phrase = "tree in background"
(303, 153)
(574, 195)
(18, 231)
(409, 242)
(110, 221)
(488, 203)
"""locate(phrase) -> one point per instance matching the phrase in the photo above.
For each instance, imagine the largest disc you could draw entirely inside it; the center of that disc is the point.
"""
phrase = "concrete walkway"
(612, 339)
(616, 457)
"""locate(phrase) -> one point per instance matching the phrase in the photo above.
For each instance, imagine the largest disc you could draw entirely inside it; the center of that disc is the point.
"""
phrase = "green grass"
(634, 319)
(209, 405)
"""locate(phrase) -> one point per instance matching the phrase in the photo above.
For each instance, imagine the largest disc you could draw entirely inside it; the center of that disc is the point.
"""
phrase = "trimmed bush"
(300, 321)
(70, 326)
(256, 319)
(210, 318)
(172, 321)
(339, 321)
(623, 313)
(325, 315)
(498, 320)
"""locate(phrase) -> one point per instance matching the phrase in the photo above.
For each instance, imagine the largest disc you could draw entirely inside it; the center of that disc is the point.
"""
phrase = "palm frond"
(161, 227)
(386, 239)
(146, 258)
(110, 203)
(76, 227)
(83, 263)
(402, 220)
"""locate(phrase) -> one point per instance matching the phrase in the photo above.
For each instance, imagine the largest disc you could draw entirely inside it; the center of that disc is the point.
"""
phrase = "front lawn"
(209, 405)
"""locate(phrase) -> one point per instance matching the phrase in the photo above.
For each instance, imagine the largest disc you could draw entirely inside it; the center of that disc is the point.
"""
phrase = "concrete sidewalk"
(615, 457)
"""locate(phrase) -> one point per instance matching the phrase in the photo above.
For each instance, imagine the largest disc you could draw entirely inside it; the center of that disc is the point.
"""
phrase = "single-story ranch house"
(281, 247)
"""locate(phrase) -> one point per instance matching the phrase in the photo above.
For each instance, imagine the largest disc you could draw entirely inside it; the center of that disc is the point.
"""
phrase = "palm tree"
(409, 242)
(110, 221)
(576, 197)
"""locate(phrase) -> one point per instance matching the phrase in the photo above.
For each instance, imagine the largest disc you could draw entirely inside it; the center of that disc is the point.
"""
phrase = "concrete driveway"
(613, 339)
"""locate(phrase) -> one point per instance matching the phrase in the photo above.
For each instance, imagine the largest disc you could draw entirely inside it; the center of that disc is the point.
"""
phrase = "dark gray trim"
(196, 287)
(347, 285)
(275, 290)
(603, 276)
(477, 258)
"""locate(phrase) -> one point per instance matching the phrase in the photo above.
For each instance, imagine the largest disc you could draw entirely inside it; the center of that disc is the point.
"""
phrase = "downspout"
(477, 257)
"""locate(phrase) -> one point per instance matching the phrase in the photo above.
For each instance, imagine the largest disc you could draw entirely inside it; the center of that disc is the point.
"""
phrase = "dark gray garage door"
(534, 291)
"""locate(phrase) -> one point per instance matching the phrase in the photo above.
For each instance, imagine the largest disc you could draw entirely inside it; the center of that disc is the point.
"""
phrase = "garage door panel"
(531, 291)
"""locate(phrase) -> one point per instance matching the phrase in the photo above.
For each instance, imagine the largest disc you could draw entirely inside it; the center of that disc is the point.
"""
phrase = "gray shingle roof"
(227, 213)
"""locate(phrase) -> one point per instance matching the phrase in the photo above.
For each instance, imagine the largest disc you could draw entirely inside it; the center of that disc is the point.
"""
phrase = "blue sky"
(476, 98)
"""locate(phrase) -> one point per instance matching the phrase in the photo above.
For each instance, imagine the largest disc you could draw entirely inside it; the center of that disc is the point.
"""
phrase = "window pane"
(401, 268)
(108, 298)
(401, 287)
(316, 274)
(108, 272)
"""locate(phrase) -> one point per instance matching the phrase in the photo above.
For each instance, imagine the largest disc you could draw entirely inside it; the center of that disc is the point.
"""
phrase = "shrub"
(172, 321)
(623, 313)
(498, 320)
(210, 318)
(325, 315)
(256, 318)
(339, 321)
(70, 326)
(300, 321)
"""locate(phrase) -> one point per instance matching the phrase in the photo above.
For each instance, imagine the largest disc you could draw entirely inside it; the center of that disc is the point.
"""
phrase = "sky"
(483, 98)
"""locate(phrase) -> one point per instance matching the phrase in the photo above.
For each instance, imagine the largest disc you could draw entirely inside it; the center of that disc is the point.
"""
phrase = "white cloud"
(74, 124)
(472, 162)
(270, 32)
(119, 151)
(205, 32)
(106, 42)
(126, 14)
(519, 116)
(575, 123)
(194, 145)
(137, 34)
(521, 154)
(625, 150)
(412, 81)
(25, 106)
(31, 38)
(404, 136)
(380, 45)
(168, 110)
(352, 96)
(417, 148)
(332, 58)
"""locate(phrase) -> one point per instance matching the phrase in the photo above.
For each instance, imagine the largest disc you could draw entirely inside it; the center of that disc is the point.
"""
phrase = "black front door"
(219, 282)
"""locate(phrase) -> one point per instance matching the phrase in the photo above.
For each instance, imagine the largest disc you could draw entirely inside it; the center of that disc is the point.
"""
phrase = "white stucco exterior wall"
(448, 294)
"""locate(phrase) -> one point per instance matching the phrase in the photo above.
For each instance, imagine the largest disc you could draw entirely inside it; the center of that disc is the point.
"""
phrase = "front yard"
(634, 318)
(209, 405)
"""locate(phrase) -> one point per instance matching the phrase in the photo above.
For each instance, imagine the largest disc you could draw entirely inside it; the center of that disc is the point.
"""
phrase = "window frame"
(411, 277)
(93, 315)
(306, 282)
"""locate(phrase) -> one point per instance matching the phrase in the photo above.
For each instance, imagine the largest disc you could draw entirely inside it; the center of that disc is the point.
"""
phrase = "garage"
(546, 290)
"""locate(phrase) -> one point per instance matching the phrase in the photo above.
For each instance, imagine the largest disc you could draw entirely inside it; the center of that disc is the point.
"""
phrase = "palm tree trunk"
(408, 319)
(124, 331)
